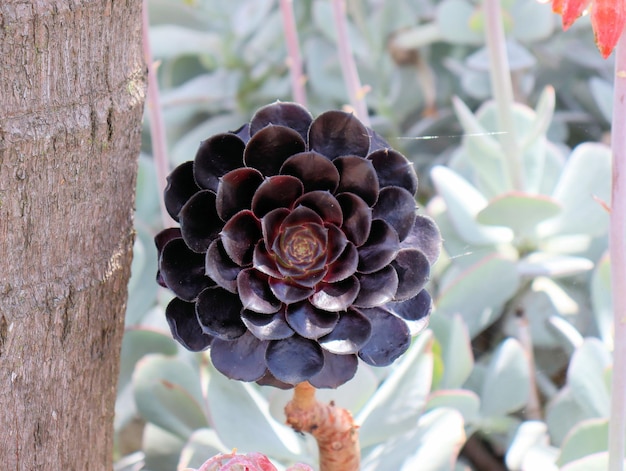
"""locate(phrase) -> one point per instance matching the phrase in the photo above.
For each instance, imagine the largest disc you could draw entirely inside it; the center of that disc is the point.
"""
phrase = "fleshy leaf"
(357, 175)
(393, 169)
(413, 271)
(314, 170)
(324, 204)
(279, 191)
(267, 327)
(291, 115)
(377, 288)
(351, 332)
(310, 322)
(520, 211)
(478, 302)
(506, 385)
(585, 377)
(268, 148)
(199, 222)
(398, 402)
(337, 370)
(255, 293)
(426, 237)
(571, 11)
(287, 292)
(414, 310)
(586, 176)
(357, 218)
(220, 267)
(294, 359)
(218, 313)
(185, 328)
(608, 18)
(337, 296)
(344, 266)
(380, 248)
(464, 202)
(236, 190)
(336, 133)
(390, 338)
(397, 207)
(239, 236)
(183, 270)
(180, 187)
(242, 359)
(217, 156)
(167, 394)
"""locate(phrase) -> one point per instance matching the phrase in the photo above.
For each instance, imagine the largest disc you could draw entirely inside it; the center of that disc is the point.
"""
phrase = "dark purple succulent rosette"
(299, 251)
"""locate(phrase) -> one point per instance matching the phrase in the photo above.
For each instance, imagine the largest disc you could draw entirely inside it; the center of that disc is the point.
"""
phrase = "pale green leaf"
(432, 445)
(167, 394)
(530, 443)
(586, 438)
(586, 176)
(464, 202)
(456, 350)
(479, 292)
(506, 383)
(585, 377)
(454, 19)
(595, 462)
(519, 211)
(202, 445)
(242, 420)
(162, 448)
(552, 265)
(171, 41)
(464, 401)
(601, 299)
(399, 401)
(563, 412)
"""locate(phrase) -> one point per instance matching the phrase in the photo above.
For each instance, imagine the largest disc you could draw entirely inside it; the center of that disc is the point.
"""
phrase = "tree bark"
(71, 100)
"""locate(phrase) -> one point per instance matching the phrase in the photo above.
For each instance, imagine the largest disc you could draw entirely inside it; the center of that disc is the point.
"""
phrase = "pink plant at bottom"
(249, 462)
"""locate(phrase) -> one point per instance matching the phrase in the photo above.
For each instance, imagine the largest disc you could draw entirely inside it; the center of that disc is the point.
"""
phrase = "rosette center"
(302, 248)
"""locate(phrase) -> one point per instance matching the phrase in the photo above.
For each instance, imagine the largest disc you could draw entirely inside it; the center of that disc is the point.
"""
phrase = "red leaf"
(608, 18)
(557, 6)
(572, 9)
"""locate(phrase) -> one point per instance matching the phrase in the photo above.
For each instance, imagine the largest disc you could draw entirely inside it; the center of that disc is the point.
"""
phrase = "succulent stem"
(356, 91)
(157, 128)
(617, 248)
(503, 92)
(333, 428)
(294, 59)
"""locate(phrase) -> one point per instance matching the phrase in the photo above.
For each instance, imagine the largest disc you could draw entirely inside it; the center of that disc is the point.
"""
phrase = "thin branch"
(294, 60)
(617, 248)
(533, 405)
(157, 128)
(503, 92)
(356, 91)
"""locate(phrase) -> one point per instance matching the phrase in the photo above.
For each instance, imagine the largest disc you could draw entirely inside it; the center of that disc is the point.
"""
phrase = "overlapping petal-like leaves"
(299, 251)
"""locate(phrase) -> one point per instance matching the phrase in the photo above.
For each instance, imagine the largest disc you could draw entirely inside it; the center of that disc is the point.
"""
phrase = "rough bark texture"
(71, 99)
(333, 428)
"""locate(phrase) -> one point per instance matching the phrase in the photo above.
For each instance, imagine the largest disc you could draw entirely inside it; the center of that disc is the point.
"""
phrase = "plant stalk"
(294, 59)
(503, 93)
(157, 128)
(333, 428)
(617, 250)
(356, 92)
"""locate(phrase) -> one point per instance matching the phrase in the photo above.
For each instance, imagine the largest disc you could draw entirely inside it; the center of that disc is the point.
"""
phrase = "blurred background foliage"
(514, 370)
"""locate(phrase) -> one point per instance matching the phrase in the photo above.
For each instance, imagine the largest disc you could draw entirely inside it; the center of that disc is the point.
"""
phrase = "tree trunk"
(71, 99)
